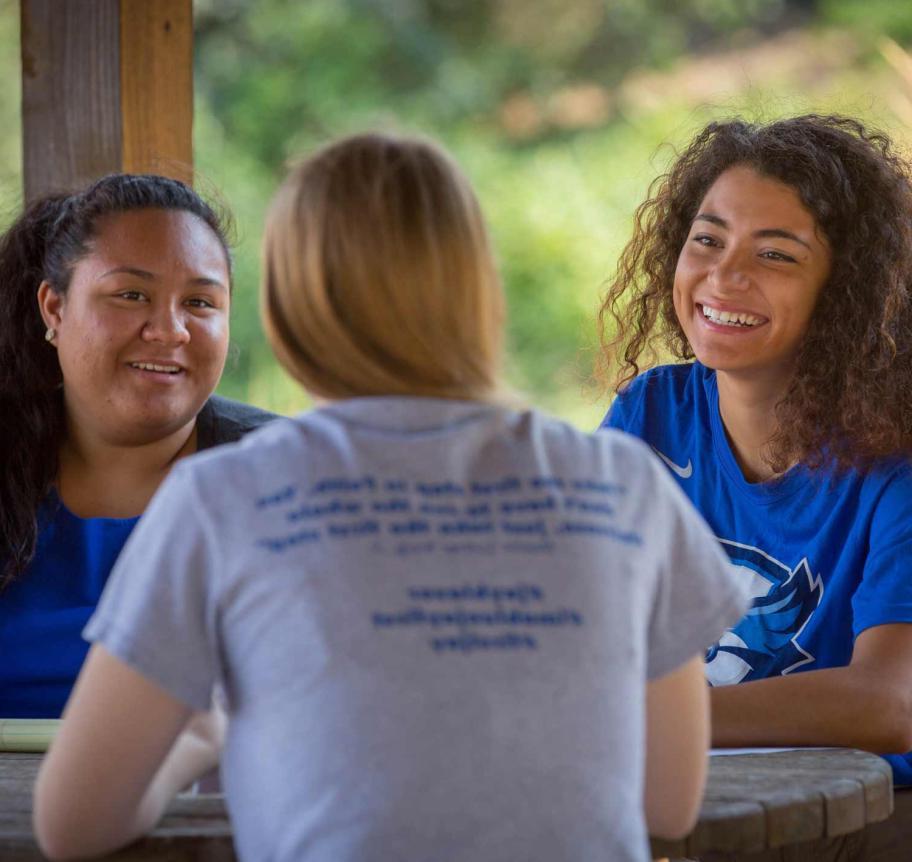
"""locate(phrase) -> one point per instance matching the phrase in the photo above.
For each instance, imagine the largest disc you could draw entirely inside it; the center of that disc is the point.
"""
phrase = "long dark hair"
(850, 399)
(44, 244)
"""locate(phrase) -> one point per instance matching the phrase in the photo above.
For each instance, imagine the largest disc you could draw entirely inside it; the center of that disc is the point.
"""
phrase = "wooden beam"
(70, 93)
(156, 87)
(107, 86)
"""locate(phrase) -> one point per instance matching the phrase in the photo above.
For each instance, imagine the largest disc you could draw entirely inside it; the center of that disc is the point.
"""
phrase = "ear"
(50, 304)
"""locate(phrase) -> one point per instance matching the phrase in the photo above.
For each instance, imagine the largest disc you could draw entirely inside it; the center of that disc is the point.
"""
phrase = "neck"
(747, 405)
(103, 478)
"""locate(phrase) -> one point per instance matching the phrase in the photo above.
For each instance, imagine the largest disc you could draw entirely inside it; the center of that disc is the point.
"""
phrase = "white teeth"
(152, 366)
(729, 318)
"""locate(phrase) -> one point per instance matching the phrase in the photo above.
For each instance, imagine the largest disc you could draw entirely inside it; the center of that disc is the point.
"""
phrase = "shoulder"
(607, 452)
(884, 477)
(874, 501)
(257, 455)
(224, 421)
(668, 380)
(660, 393)
(226, 479)
(887, 484)
(624, 465)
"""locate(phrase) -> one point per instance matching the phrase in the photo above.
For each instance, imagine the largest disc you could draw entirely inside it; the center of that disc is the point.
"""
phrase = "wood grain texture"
(156, 86)
(757, 802)
(753, 802)
(70, 93)
(195, 829)
(107, 86)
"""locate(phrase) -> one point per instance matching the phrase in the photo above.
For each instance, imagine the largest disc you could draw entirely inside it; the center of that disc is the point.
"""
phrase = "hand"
(207, 731)
(199, 746)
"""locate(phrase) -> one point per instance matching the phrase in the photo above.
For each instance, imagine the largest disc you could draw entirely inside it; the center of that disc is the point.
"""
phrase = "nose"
(166, 324)
(730, 271)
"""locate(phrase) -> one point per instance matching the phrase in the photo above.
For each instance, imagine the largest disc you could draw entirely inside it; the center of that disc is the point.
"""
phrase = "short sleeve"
(697, 594)
(885, 593)
(157, 611)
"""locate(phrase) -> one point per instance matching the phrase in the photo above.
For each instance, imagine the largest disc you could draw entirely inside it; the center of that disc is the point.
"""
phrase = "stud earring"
(51, 334)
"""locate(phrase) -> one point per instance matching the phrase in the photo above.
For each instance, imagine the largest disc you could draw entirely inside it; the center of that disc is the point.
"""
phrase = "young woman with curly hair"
(775, 263)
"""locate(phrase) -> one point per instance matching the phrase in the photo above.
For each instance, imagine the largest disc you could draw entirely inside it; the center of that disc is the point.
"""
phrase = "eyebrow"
(145, 275)
(765, 232)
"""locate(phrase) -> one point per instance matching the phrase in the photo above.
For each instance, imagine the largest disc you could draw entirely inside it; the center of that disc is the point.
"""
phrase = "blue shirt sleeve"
(885, 593)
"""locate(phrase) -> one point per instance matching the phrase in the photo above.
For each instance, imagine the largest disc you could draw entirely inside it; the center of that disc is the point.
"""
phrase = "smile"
(154, 366)
(731, 318)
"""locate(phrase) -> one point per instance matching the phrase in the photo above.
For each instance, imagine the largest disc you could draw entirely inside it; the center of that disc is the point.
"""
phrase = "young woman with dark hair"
(113, 334)
(775, 263)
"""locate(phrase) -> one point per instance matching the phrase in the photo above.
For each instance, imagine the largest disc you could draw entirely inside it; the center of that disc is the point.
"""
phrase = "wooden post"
(107, 86)
(156, 86)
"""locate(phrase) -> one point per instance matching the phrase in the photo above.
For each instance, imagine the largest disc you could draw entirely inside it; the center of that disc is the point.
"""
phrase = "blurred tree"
(509, 85)
(560, 113)
(279, 66)
(874, 18)
(11, 142)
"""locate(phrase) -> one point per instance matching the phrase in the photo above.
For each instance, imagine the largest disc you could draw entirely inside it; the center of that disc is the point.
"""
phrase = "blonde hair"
(378, 275)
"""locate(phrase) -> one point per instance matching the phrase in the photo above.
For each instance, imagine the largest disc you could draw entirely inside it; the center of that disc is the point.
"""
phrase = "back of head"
(378, 276)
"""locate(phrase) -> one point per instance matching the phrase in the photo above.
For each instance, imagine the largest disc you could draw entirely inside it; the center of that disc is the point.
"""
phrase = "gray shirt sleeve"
(157, 613)
(697, 595)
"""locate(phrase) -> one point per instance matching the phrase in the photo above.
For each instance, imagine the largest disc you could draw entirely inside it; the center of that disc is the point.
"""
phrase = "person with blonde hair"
(444, 627)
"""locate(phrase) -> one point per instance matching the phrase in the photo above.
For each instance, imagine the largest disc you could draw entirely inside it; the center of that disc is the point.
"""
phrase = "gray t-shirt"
(433, 621)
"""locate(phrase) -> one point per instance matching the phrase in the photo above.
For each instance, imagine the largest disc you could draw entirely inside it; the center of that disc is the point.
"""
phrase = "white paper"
(722, 752)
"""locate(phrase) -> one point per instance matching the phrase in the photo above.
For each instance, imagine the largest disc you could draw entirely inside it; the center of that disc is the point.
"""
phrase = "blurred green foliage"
(562, 113)
(872, 19)
(11, 142)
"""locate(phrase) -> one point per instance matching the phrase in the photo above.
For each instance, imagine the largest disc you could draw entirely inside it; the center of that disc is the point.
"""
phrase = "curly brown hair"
(850, 399)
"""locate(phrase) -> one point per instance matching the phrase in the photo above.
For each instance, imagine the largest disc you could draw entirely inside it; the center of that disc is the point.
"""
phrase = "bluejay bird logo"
(765, 642)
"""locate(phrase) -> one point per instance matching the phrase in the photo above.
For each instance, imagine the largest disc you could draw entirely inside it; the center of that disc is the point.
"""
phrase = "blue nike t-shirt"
(43, 612)
(827, 555)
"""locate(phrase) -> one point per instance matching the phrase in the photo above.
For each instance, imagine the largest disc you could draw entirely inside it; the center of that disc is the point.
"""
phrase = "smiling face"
(748, 276)
(142, 331)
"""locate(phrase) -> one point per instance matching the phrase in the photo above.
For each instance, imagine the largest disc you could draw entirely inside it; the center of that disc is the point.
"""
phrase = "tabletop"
(760, 801)
(195, 829)
(753, 802)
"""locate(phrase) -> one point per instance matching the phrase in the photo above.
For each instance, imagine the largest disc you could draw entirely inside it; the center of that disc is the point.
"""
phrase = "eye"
(132, 295)
(201, 302)
(706, 240)
(724, 662)
(777, 255)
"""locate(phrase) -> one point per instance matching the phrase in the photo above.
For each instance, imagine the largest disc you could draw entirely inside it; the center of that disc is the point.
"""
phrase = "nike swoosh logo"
(684, 472)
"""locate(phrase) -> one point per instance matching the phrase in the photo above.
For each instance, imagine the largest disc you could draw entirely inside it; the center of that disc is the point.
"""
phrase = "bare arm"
(677, 738)
(114, 765)
(866, 705)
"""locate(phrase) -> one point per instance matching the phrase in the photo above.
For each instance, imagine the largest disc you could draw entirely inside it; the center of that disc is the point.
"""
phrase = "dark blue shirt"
(826, 555)
(43, 612)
